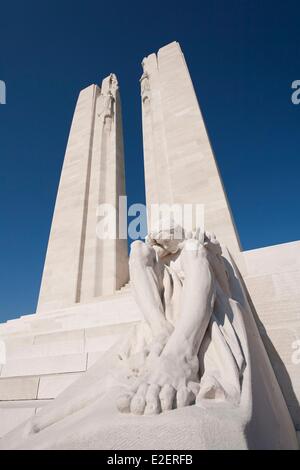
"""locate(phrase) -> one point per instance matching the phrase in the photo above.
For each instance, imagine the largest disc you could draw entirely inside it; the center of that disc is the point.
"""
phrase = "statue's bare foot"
(171, 384)
(152, 399)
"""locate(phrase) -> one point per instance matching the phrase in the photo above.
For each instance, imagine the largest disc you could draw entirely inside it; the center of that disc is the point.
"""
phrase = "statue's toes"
(123, 402)
(152, 400)
(167, 397)
(184, 397)
(138, 402)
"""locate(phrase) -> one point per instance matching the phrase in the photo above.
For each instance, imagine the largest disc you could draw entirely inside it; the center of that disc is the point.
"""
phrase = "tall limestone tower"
(180, 167)
(79, 265)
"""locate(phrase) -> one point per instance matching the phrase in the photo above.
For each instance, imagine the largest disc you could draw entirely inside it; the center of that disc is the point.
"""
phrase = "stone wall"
(272, 276)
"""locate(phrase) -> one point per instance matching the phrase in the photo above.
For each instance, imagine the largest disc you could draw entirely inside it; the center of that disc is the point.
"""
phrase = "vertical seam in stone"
(38, 388)
(149, 160)
(85, 208)
(102, 199)
(165, 141)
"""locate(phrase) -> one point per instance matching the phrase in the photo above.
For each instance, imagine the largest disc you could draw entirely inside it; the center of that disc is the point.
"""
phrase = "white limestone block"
(19, 388)
(45, 365)
(93, 357)
(111, 310)
(67, 342)
(102, 338)
(10, 418)
(273, 259)
(52, 385)
(54, 344)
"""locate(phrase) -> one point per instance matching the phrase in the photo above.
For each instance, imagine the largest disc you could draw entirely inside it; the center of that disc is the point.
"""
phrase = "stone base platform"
(46, 353)
(101, 427)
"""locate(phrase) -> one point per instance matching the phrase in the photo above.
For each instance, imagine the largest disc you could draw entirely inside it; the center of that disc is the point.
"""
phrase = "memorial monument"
(182, 357)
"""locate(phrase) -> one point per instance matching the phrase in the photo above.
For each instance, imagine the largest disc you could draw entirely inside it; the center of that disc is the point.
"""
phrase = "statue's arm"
(197, 301)
(147, 285)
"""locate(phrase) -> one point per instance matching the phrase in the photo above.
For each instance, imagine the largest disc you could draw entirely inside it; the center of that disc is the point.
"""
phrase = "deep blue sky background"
(243, 57)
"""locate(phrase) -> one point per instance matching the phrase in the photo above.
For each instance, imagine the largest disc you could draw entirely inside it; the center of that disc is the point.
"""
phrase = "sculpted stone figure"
(198, 344)
(108, 105)
(145, 85)
(180, 283)
(108, 100)
(113, 83)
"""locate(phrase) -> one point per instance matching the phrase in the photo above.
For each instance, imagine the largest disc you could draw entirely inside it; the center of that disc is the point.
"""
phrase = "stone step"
(45, 365)
(38, 387)
(59, 352)
(35, 404)
(64, 342)
(117, 310)
(47, 351)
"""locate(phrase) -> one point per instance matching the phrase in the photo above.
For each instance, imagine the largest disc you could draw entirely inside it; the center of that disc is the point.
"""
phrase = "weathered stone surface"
(58, 342)
(272, 276)
(44, 365)
(52, 385)
(53, 344)
(10, 418)
(106, 311)
(19, 388)
(14, 413)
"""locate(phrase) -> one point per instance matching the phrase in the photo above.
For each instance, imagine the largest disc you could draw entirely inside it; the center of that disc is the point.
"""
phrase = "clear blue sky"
(243, 57)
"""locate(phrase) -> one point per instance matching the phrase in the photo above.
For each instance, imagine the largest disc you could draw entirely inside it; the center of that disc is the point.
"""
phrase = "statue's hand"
(209, 240)
(160, 251)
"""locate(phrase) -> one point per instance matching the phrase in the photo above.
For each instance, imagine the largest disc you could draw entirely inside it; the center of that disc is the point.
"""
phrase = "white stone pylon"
(180, 167)
(80, 266)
